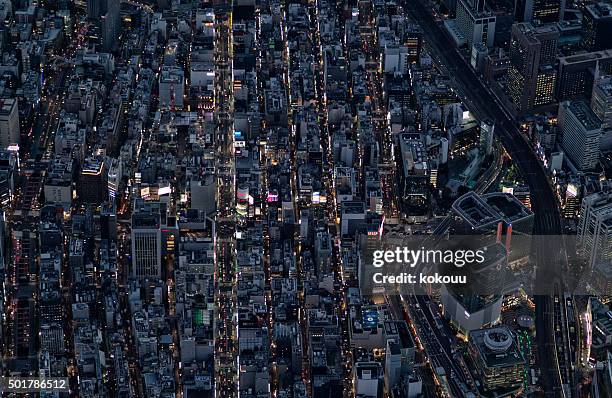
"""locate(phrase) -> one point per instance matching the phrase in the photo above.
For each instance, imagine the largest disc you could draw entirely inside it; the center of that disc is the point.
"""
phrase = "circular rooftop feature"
(498, 339)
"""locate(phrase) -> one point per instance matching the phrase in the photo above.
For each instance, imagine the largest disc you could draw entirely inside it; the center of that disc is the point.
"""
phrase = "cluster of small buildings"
(187, 190)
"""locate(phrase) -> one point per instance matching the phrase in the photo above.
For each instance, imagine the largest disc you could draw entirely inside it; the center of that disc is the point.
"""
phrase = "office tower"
(487, 129)
(154, 238)
(601, 101)
(9, 122)
(368, 379)
(545, 86)
(595, 228)
(413, 186)
(111, 25)
(52, 338)
(444, 149)
(413, 41)
(146, 243)
(399, 353)
(496, 65)
(202, 193)
(96, 8)
(397, 58)
(531, 78)
(570, 200)
(451, 6)
(502, 224)
(497, 358)
(3, 243)
(108, 222)
(92, 183)
(597, 26)
(58, 184)
(114, 178)
(581, 131)
(475, 24)
(479, 305)
(9, 171)
(545, 11)
(578, 72)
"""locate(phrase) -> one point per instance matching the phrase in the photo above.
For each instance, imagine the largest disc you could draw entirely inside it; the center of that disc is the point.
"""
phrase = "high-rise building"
(203, 191)
(487, 130)
(595, 228)
(539, 10)
(496, 65)
(545, 86)
(475, 24)
(413, 41)
(399, 352)
(146, 243)
(3, 244)
(52, 338)
(111, 25)
(58, 184)
(154, 238)
(578, 72)
(397, 58)
(9, 122)
(414, 181)
(92, 183)
(497, 358)
(96, 8)
(596, 26)
(581, 132)
(478, 306)
(368, 379)
(601, 101)
(531, 78)
(491, 219)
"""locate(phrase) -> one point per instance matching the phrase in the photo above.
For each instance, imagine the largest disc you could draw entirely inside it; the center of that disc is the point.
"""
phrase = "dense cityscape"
(190, 193)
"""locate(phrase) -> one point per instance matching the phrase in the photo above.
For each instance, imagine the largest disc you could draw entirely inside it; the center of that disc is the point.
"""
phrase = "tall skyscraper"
(581, 131)
(487, 129)
(96, 8)
(474, 23)
(413, 41)
(154, 234)
(9, 122)
(578, 72)
(497, 358)
(596, 26)
(544, 11)
(595, 228)
(146, 244)
(531, 77)
(601, 101)
(111, 25)
(92, 183)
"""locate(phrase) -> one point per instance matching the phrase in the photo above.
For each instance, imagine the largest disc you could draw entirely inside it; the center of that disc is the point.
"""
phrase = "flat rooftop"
(585, 115)
(489, 209)
(496, 347)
